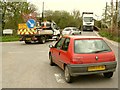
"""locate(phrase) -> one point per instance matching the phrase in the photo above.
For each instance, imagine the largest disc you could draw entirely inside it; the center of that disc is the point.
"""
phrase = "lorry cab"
(40, 33)
(51, 25)
(88, 21)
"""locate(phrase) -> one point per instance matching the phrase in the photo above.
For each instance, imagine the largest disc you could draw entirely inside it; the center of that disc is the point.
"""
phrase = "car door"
(56, 50)
(64, 56)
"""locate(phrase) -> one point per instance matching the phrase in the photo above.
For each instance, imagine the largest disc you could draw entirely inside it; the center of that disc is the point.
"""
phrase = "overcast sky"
(95, 6)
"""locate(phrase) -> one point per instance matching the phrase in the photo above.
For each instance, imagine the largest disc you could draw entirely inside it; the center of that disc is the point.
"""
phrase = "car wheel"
(51, 61)
(108, 75)
(57, 38)
(68, 78)
(73, 34)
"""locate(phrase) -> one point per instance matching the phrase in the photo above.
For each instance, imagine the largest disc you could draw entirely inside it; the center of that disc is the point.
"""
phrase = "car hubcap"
(66, 74)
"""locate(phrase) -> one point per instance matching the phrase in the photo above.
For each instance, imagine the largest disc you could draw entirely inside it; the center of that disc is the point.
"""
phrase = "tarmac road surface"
(27, 66)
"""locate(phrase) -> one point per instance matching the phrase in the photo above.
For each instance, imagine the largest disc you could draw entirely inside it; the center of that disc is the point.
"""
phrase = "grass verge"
(106, 34)
(9, 38)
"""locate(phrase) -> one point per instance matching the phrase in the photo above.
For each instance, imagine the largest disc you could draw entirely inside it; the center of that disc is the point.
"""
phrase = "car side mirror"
(51, 46)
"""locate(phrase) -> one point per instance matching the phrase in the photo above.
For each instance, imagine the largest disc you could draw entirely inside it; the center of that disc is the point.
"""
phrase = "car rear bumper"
(82, 69)
(27, 38)
(85, 27)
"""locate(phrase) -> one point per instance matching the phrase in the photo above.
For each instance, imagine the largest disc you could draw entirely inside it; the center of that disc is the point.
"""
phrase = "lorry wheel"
(43, 40)
(27, 42)
(108, 75)
(68, 78)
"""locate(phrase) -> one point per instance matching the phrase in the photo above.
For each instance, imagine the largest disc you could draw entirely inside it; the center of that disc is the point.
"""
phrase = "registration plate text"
(96, 68)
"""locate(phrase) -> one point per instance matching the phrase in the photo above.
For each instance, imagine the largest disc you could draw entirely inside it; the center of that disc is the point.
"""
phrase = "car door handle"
(59, 53)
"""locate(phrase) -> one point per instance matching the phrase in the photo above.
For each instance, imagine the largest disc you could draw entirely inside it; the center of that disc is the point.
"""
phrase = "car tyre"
(68, 77)
(57, 38)
(73, 34)
(108, 75)
(51, 60)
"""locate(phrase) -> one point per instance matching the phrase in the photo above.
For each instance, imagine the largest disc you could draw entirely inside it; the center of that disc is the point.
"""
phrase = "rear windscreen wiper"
(100, 51)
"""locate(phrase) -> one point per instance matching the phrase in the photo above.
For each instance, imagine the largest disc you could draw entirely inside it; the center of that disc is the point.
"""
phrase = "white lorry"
(88, 21)
(42, 32)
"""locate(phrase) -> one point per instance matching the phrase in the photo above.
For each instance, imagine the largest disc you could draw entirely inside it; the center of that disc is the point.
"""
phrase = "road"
(27, 66)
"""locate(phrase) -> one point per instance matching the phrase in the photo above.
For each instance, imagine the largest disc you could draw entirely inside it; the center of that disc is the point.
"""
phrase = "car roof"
(82, 37)
(70, 28)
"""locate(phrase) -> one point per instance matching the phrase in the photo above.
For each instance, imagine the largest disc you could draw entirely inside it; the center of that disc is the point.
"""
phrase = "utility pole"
(43, 12)
(116, 21)
(111, 17)
(106, 13)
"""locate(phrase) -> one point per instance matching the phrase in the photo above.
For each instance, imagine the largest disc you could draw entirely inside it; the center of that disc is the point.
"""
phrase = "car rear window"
(75, 29)
(67, 30)
(90, 46)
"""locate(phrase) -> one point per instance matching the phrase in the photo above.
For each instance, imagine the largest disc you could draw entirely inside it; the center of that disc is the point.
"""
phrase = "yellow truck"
(39, 33)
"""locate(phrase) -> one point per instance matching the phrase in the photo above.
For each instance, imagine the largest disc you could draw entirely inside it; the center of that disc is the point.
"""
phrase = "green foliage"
(12, 13)
(64, 18)
(106, 33)
(8, 38)
(119, 24)
(98, 23)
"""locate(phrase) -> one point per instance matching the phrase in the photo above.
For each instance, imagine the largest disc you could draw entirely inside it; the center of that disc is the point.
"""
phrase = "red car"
(82, 55)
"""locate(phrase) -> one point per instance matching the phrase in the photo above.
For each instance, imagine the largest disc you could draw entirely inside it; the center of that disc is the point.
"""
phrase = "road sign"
(31, 23)
(8, 31)
(22, 26)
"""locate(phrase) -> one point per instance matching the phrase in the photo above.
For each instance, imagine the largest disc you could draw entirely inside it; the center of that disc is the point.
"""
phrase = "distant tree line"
(110, 17)
(64, 18)
(12, 15)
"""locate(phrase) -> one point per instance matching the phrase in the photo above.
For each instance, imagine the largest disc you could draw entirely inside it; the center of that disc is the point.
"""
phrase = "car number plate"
(28, 38)
(96, 68)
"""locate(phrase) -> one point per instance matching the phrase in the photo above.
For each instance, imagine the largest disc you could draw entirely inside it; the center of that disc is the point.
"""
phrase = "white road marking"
(59, 78)
(15, 52)
(42, 51)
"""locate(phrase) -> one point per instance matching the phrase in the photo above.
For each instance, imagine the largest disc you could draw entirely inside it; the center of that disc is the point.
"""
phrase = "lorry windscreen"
(88, 19)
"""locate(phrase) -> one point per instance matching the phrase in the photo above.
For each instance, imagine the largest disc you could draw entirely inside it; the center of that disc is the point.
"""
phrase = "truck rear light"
(21, 39)
(34, 38)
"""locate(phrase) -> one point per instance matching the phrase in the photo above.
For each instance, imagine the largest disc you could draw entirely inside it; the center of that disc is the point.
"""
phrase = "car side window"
(59, 43)
(74, 29)
(66, 44)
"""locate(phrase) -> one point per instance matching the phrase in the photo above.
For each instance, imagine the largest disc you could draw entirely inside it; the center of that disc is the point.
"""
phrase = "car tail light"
(76, 60)
(70, 32)
(112, 58)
